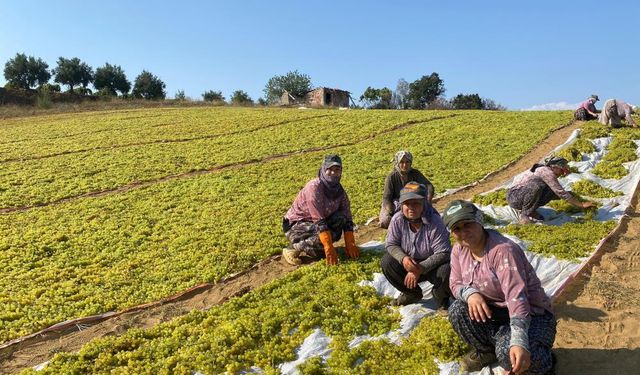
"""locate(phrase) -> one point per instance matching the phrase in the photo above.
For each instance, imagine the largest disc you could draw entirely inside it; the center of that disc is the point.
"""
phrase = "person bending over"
(587, 110)
(539, 186)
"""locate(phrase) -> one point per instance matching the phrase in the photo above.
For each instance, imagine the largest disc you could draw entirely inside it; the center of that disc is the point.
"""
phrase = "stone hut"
(326, 97)
(320, 97)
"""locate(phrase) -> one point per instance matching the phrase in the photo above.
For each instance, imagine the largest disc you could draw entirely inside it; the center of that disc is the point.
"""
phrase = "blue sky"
(521, 54)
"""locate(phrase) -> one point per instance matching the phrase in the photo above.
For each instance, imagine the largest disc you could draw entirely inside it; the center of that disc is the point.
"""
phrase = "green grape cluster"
(593, 130)
(433, 338)
(496, 198)
(562, 205)
(594, 190)
(568, 241)
(575, 150)
(621, 150)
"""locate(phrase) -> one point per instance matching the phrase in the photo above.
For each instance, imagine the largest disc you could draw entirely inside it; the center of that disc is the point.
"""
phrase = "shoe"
(406, 299)
(443, 306)
(476, 361)
(524, 219)
(536, 216)
(292, 256)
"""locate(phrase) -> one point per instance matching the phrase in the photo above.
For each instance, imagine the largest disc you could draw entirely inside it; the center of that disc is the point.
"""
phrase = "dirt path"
(598, 315)
(40, 348)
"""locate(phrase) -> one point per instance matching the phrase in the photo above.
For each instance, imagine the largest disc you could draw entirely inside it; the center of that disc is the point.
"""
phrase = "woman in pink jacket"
(500, 308)
(319, 216)
(539, 186)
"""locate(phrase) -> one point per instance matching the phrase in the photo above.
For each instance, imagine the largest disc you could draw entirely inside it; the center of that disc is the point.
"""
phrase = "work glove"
(350, 245)
(329, 251)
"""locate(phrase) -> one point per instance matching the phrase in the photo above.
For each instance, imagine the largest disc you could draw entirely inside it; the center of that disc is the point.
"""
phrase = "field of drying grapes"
(104, 211)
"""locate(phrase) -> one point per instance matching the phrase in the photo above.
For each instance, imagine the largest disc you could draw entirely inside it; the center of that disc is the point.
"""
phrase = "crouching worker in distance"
(401, 174)
(418, 249)
(500, 308)
(614, 111)
(539, 186)
(318, 216)
(587, 110)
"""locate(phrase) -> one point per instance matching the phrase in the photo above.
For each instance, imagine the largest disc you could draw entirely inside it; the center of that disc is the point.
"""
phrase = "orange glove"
(327, 242)
(350, 245)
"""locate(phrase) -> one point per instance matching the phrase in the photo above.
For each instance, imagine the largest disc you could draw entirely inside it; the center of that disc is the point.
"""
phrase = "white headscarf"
(398, 158)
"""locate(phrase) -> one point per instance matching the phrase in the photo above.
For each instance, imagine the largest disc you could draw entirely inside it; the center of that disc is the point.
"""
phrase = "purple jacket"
(431, 239)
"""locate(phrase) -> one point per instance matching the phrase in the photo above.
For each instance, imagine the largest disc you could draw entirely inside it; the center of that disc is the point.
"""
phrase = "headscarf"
(330, 184)
(551, 161)
(399, 156)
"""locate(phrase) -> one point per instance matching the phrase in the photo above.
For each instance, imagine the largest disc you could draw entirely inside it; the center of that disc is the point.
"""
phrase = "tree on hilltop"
(377, 98)
(212, 96)
(240, 97)
(425, 90)
(400, 97)
(110, 79)
(297, 84)
(26, 72)
(73, 72)
(470, 101)
(148, 86)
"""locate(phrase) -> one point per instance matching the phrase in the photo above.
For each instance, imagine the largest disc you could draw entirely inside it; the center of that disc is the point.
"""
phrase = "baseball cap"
(413, 190)
(460, 210)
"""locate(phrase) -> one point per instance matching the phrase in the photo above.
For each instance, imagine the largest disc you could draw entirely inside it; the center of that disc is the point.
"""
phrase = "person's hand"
(411, 280)
(588, 204)
(410, 265)
(520, 359)
(478, 308)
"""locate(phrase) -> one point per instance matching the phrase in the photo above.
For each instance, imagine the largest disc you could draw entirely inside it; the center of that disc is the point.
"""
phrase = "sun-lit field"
(95, 254)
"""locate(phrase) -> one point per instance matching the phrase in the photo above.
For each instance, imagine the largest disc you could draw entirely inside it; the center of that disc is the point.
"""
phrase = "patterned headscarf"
(331, 184)
(399, 156)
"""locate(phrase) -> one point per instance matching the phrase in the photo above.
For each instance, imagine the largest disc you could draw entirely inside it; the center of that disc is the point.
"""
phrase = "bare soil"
(598, 313)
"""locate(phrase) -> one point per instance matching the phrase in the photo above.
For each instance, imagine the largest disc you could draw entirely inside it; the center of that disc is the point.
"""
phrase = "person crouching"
(318, 216)
(500, 308)
(418, 249)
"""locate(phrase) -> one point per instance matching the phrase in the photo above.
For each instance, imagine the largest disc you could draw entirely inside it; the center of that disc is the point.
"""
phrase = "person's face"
(334, 171)
(412, 208)
(404, 165)
(560, 171)
(468, 233)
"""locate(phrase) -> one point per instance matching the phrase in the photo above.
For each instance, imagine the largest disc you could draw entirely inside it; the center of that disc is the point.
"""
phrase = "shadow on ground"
(598, 361)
